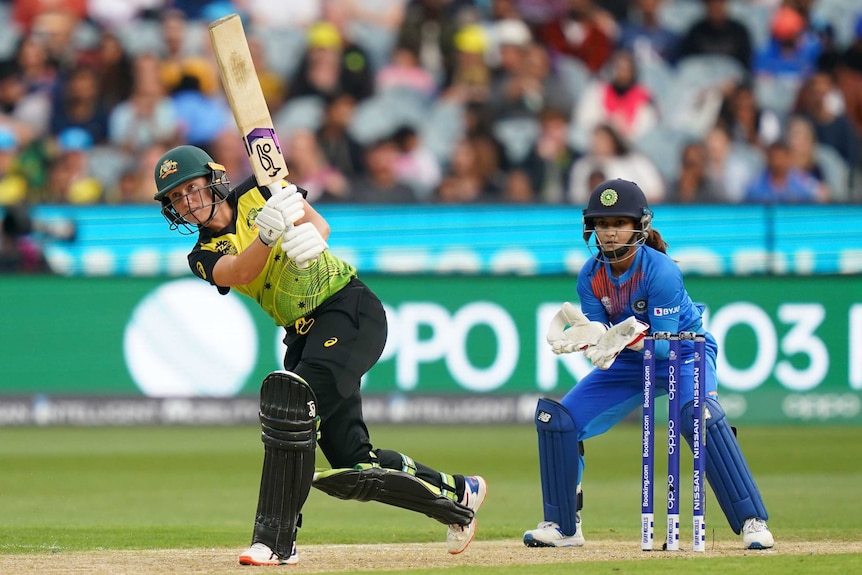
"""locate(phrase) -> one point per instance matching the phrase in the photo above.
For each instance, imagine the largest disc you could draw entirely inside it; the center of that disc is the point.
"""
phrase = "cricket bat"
(242, 88)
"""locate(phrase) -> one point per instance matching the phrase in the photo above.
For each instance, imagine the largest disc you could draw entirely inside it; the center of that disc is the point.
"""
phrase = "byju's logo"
(662, 311)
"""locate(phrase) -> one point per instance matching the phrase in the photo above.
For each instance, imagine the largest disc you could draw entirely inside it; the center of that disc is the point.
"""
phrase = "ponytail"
(655, 241)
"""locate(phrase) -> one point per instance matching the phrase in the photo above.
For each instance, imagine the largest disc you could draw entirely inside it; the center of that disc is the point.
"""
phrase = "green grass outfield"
(83, 489)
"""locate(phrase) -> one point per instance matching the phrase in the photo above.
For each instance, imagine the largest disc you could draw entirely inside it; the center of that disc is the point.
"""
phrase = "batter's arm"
(242, 268)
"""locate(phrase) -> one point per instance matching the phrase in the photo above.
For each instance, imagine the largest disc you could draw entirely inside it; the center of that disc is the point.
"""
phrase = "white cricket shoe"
(260, 554)
(549, 534)
(756, 535)
(459, 536)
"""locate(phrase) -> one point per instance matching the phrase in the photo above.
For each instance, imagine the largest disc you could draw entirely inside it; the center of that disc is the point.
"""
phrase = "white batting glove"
(270, 220)
(626, 334)
(570, 330)
(293, 206)
(303, 243)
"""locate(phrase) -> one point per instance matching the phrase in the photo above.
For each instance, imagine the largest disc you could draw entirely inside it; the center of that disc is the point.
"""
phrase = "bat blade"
(245, 97)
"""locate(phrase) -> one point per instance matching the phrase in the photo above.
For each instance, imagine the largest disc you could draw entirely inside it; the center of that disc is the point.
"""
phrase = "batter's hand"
(292, 207)
(303, 243)
(270, 220)
(570, 330)
(628, 333)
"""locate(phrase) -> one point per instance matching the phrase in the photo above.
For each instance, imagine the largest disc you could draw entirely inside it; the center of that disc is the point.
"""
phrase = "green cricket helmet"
(617, 198)
(179, 165)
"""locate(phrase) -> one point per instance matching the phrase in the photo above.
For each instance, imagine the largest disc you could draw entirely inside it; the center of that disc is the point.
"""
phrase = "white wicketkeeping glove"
(626, 334)
(570, 330)
(303, 243)
(270, 220)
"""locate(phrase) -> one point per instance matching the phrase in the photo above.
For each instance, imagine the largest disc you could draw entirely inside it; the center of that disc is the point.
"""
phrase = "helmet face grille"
(177, 221)
(220, 188)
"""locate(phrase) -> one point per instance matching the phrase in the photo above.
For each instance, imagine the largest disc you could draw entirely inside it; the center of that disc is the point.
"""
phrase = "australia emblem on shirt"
(251, 218)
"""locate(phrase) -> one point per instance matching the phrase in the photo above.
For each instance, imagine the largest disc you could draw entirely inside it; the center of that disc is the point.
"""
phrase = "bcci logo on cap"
(167, 168)
(608, 197)
(544, 417)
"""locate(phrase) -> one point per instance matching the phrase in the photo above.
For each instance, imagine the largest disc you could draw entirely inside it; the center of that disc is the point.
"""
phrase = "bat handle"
(274, 187)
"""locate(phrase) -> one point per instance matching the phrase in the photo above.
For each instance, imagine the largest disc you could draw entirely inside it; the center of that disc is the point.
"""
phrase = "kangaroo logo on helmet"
(167, 168)
(609, 197)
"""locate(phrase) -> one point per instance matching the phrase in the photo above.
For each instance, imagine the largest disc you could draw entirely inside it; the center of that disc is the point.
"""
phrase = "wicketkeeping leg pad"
(393, 487)
(288, 420)
(726, 469)
(558, 463)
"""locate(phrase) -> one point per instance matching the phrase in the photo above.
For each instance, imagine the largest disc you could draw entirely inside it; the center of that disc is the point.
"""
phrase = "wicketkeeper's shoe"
(549, 534)
(260, 554)
(756, 535)
(459, 536)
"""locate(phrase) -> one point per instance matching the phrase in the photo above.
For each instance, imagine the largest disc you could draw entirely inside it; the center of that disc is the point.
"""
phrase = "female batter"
(268, 243)
(632, 286)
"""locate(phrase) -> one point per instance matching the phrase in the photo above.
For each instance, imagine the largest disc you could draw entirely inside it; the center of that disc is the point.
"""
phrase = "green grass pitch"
(78, 489)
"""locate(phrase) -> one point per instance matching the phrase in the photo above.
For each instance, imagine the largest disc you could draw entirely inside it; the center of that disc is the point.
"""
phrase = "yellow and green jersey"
(282, 289)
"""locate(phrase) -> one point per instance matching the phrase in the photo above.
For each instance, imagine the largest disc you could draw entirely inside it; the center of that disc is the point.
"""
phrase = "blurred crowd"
(444, 101)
